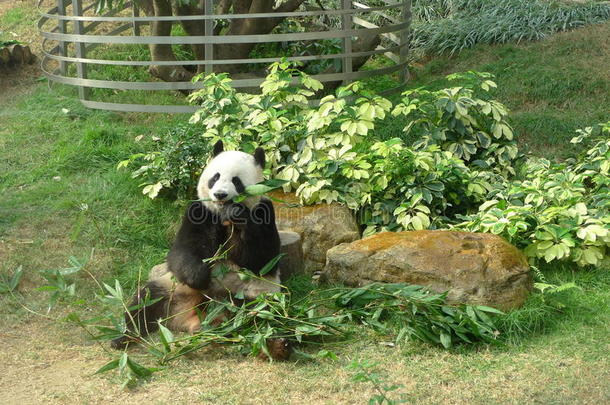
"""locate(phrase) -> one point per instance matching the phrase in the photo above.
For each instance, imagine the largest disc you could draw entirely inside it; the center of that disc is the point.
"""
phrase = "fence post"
(61, 28)
(81, 68)
(347, 21)
(404, 41)
(209, 31)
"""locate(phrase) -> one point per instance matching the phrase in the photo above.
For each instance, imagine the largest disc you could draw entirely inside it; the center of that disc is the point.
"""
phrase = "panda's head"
(228, 174)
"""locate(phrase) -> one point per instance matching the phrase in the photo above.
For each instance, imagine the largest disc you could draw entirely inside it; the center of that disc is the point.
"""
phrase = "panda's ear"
(218, 148)
(259, 157)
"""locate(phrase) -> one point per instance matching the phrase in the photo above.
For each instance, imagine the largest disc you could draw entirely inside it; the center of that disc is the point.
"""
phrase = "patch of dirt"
(16, 82)
(43, 364)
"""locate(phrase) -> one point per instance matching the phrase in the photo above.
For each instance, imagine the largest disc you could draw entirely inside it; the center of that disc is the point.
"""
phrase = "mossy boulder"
(474, 268)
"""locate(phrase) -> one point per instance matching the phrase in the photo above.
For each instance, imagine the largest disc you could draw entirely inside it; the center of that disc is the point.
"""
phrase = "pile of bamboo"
(13, 54)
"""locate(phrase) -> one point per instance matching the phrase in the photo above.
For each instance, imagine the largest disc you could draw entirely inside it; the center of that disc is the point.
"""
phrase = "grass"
(552, 87)
(62, 196)
(464, 24)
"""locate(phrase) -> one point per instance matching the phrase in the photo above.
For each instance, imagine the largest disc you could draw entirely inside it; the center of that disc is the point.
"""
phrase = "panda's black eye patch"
(239, 186)
(213, 180)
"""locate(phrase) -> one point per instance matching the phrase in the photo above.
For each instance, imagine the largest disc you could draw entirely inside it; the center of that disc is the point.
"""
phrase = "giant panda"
(245, 230)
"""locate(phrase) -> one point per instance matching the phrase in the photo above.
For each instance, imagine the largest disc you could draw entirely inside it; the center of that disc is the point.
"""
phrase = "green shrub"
(170, 163)
(556, 211)
(463, 120)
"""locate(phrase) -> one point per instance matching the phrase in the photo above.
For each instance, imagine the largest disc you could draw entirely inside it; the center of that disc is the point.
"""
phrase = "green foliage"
(60, 284)
(463, 120)
(302, 47)
(10, 284)
(8, 43)
(555, 211)
(449, 26)
(130, 371)
(172, 162)
(404, 311)
(417, 314)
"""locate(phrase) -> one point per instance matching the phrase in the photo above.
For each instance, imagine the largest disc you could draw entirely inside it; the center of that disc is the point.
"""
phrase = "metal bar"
(208, 10)
(175, 109)
(222, 16)
(51, 55)
(224, 39)
(147, 108)
(351, 27)
(81, 68)
(112, 12)
(61, 28)
(149, 86)
(346, 25)
(387, 17)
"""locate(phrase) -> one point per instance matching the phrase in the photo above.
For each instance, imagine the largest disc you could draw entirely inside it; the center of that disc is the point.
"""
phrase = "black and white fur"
(247, 230)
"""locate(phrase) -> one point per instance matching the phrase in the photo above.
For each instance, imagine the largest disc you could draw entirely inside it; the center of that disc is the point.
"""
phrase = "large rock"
(321, 226)
(475, 268)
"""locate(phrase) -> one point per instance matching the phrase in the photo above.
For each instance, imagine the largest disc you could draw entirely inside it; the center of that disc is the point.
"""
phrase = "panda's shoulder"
(265, 204)
(198, 212)
(266, 201)
(196, 206)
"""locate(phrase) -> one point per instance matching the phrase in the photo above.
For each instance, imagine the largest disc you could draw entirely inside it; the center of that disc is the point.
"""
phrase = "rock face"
(475, 268)
(292, 248)
(321, 226)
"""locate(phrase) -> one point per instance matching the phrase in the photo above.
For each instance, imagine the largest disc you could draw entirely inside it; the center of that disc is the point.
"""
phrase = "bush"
(172, 162)
(556, 211)
(464, 172)
(462, 120)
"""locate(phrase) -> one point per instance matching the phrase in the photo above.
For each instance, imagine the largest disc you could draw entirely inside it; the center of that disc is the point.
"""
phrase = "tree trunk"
(194, 28)
(158, 52)
(250, 26)
(363, 43)
(292, 262)
(244, 26)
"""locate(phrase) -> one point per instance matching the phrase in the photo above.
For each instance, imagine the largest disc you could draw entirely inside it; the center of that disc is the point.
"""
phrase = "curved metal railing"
(75, 35)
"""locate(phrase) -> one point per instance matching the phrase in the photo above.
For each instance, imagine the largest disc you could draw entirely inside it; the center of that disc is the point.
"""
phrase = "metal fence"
(71, 30)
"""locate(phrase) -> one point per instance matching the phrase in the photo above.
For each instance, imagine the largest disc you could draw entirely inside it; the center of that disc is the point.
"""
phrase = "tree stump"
(5, 56)
(28, 56)
(17, 54)
(292, 247)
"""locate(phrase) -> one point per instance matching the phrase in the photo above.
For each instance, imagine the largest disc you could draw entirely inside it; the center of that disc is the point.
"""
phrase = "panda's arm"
(194, 242)
(261, 238)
